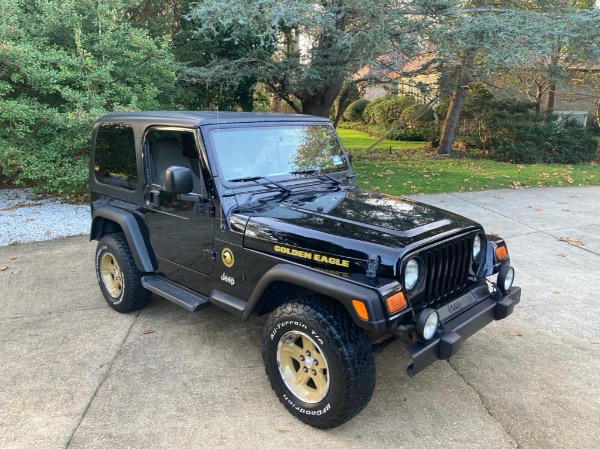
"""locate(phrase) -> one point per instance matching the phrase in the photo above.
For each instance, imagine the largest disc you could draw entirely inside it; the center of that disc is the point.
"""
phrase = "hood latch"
(373, 265)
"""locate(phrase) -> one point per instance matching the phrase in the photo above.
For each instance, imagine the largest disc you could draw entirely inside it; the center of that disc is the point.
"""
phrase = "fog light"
(427, 324)
(506, 276)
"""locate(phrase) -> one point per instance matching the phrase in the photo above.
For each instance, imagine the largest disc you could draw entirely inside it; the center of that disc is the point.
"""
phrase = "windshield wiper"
(316, 172)
(257, 178)
(246, 179)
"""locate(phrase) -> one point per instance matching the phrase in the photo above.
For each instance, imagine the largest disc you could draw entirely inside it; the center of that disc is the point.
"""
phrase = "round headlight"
(427, 324)
(506, 277)
(477, 244)
(411, 274)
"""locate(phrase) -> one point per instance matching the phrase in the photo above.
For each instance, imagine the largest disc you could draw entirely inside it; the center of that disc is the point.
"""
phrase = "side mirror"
(178, 180)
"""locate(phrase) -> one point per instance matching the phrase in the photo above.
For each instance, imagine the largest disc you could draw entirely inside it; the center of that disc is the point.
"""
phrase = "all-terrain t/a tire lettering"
(119, 278)
(319, 363)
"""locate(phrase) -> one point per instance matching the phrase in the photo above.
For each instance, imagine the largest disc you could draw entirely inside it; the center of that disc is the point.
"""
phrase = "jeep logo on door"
(227, 257)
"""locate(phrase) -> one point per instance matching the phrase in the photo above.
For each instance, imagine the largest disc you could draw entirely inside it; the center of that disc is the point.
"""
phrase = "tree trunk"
(342, 103)
(274, 103)
(550, 98)
(539, 90)
(451, 121)
(456, 103)
(321, 103)
(315, 106)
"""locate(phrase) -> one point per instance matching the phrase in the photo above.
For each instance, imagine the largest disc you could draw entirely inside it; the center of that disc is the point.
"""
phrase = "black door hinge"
(372, 265)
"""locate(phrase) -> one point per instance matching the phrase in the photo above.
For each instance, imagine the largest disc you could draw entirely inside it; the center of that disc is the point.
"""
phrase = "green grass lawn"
(402, 168)
(357, 141)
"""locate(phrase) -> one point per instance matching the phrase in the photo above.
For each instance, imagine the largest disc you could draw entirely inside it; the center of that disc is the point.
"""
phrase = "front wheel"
(119, 279)
(319, 363)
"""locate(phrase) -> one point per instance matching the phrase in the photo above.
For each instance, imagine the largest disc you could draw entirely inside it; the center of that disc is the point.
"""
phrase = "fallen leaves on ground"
(19, 206)
(3, 268)
(514, 333)
(149, 331)
(571, 241)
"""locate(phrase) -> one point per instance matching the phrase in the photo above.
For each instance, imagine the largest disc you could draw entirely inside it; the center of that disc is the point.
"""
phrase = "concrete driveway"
(74, 373)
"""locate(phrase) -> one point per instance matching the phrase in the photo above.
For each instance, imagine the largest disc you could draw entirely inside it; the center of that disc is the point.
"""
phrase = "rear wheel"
(118, 276)
(319, 363)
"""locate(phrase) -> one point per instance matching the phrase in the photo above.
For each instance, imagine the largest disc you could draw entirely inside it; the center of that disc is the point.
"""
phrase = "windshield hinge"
(372, 265)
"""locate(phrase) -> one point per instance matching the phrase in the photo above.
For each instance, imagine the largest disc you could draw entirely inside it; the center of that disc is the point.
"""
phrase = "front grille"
(447, 267)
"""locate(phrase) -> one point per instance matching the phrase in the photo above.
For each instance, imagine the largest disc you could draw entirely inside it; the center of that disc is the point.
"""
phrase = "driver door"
(180, 226)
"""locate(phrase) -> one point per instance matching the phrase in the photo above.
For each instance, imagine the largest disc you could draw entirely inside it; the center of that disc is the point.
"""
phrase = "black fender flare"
(341, 290)
(135, 232)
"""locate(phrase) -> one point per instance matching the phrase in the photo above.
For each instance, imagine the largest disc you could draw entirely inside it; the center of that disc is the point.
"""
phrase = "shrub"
(408, 134)
(354, 111)
(534, 138)
(59, 74)
(410, 111)
(387, 110)
(422, 128)
(45, 148)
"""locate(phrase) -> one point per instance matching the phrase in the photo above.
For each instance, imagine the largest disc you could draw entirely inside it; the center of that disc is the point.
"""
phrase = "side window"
(172, 148)
(115, 161)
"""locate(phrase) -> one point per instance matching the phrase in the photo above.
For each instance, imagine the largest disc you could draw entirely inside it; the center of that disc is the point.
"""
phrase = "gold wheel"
(303, 367)
(111, 274)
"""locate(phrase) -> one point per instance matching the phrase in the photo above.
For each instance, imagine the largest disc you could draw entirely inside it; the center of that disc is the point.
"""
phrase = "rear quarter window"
(115, 157)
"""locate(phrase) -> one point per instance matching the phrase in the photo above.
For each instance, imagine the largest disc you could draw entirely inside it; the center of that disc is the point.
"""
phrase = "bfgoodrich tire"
(119, 278)
(319, 363)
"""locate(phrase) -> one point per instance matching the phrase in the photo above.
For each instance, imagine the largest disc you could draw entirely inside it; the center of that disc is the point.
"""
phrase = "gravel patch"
(25, 219)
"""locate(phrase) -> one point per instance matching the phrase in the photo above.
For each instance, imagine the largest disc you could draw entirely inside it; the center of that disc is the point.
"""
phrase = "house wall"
(405, 86)
(372, 92)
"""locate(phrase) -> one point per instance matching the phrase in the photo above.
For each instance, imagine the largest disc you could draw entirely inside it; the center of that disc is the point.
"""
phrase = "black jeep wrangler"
(260, 214)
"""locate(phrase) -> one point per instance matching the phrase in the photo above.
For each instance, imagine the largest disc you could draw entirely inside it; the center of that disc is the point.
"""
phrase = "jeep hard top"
(260, 214)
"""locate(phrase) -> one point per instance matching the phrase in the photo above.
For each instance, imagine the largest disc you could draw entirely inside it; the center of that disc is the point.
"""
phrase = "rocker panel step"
(181, 296)
(225, 301)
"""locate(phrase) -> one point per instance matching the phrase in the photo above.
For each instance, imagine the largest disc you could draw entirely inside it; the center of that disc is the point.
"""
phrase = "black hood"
(349, 225)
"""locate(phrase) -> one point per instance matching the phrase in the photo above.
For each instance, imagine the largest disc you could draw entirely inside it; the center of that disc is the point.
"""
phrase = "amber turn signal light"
(361, 309)
(395, 302)
(501, 253)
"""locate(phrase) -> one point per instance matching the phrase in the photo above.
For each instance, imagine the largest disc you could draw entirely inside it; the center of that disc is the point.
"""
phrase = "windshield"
(272, 151)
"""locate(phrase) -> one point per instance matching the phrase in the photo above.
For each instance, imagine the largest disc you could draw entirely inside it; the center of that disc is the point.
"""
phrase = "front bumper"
(457, 327)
